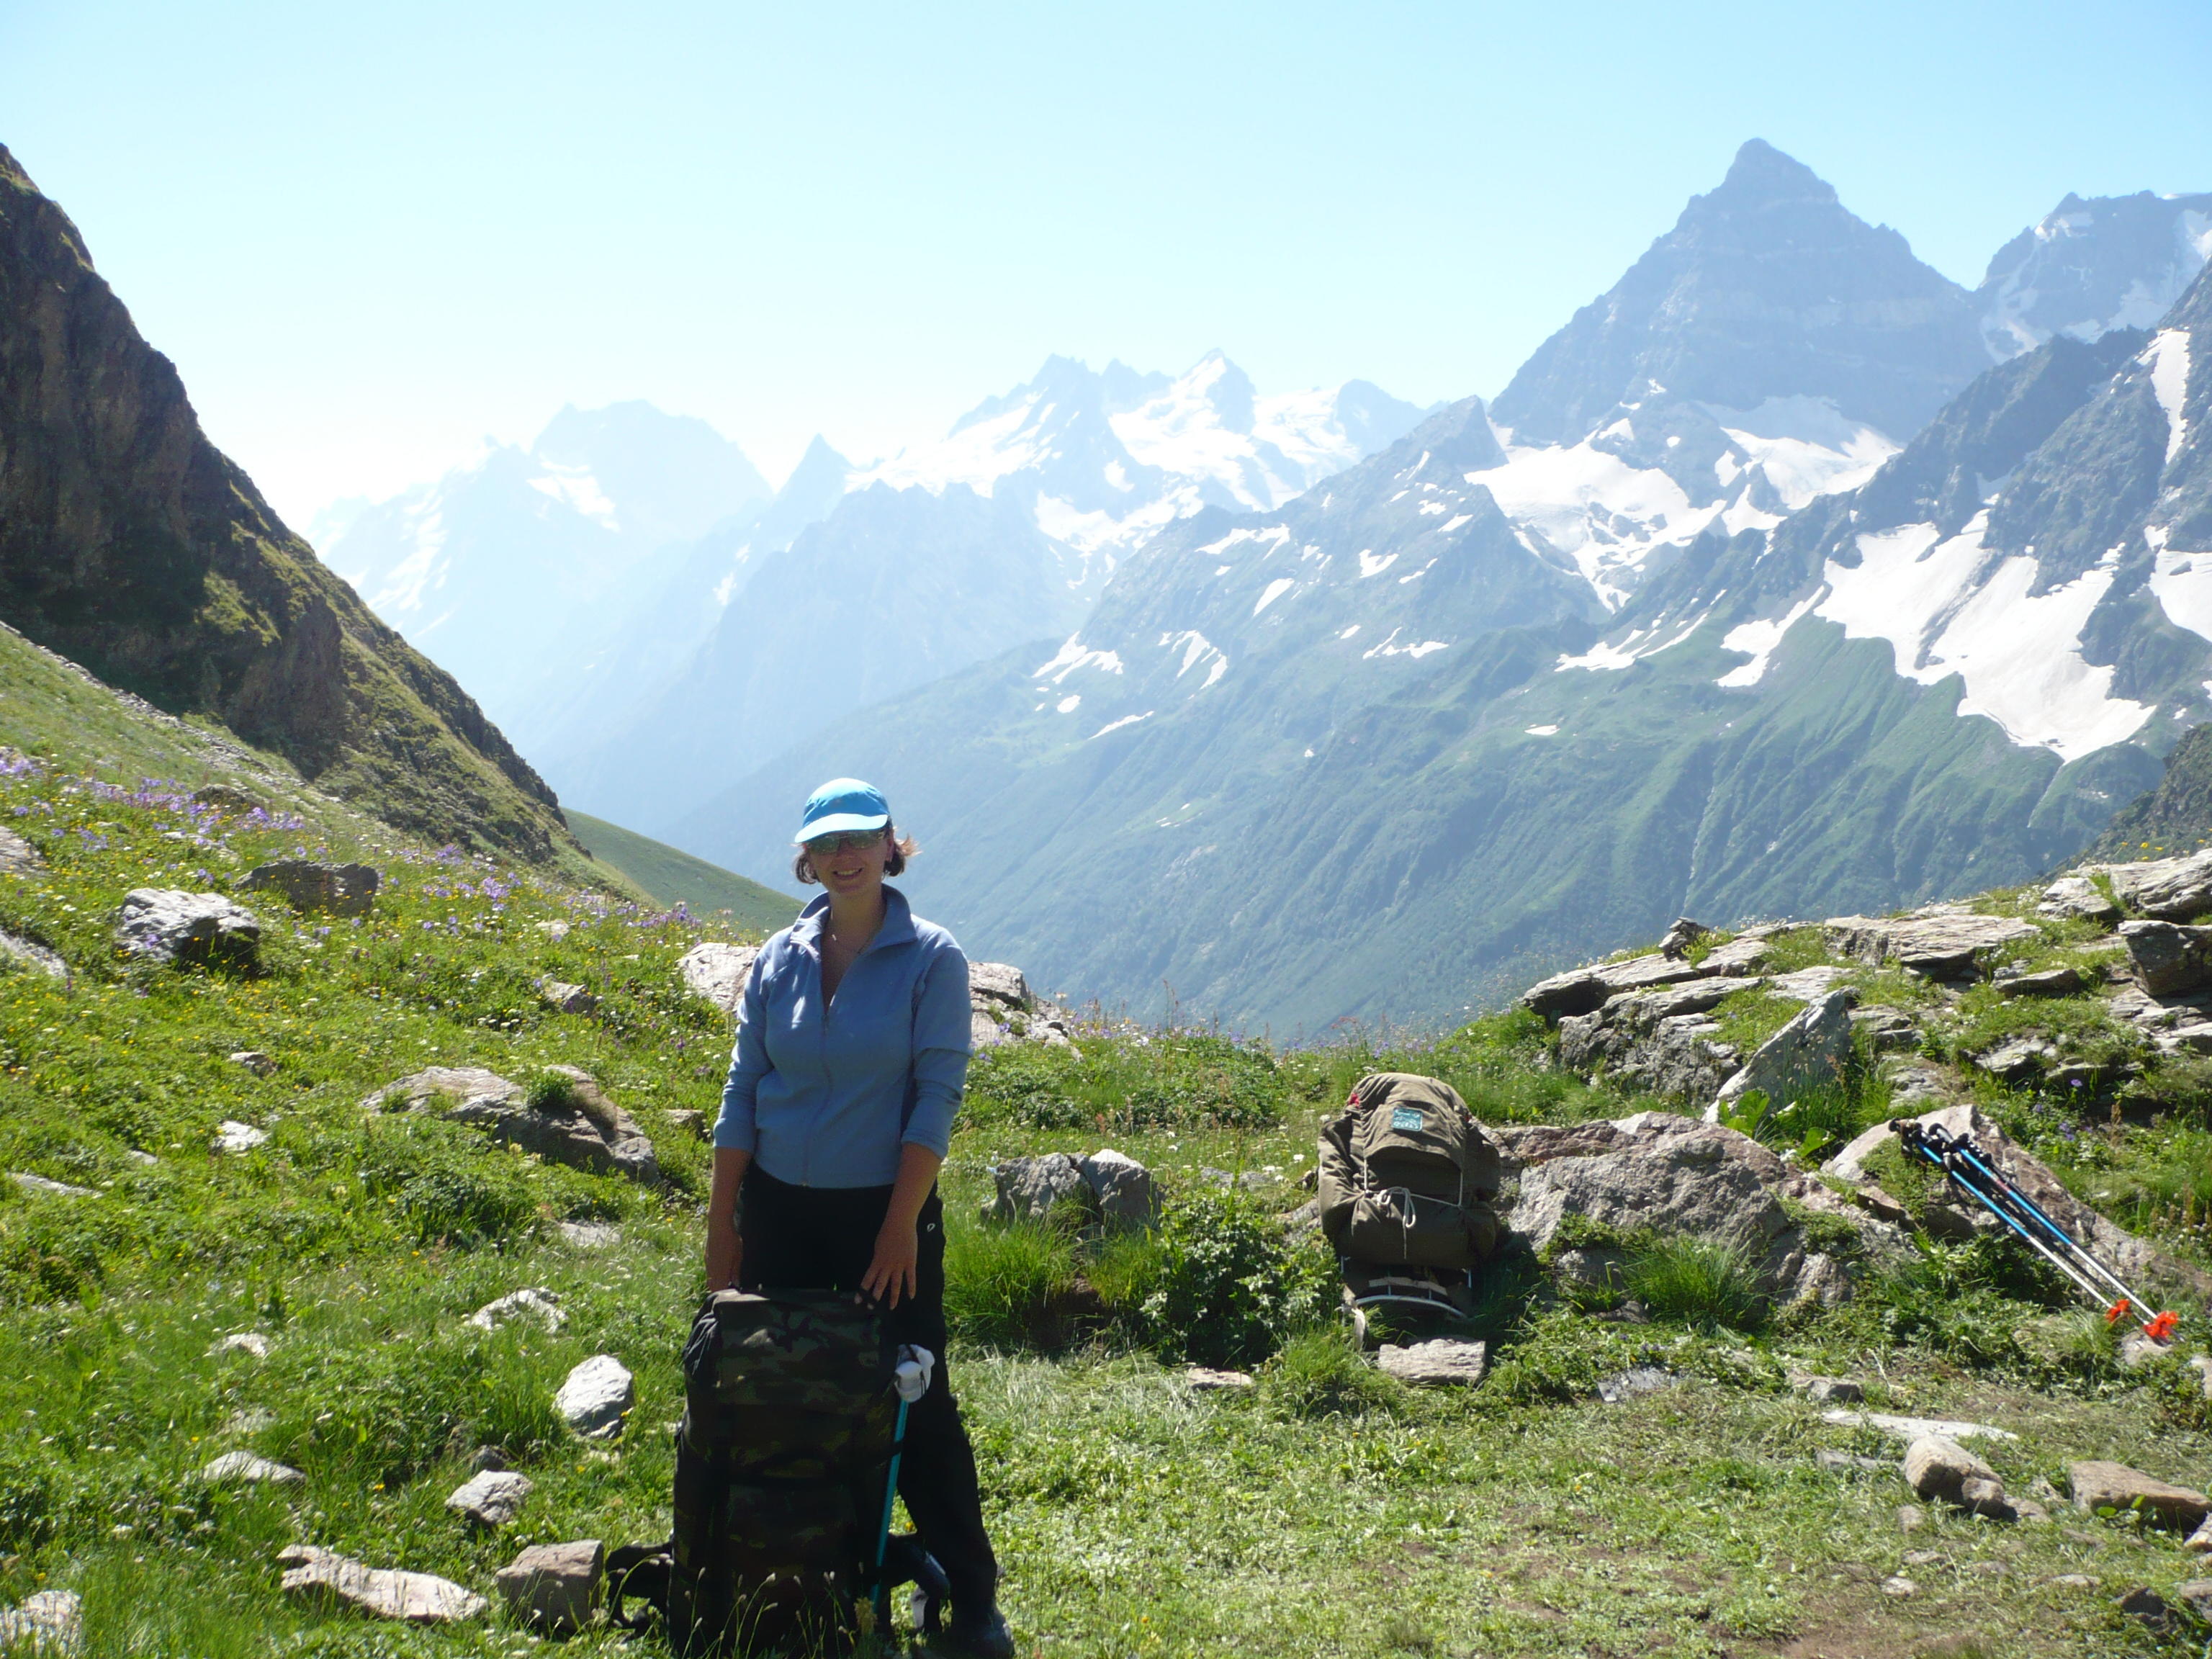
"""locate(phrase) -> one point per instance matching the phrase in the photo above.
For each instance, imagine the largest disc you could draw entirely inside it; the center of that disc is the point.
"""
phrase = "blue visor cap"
(842, 804)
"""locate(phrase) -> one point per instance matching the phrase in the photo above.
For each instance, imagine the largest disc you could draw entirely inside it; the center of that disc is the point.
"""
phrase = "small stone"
(1923, 1558)
(2051, 982)
(715, 972)
(1121, 1188)
(244, 1468)
(2027, 1509)
(1910, 1517)
(421, 1598)
(491, 1496)
(1440, 1361)
(1637, 1379)
(166, 924)
(1206, 1381)
(1986, 1498)
(31, 954)
(555, 931)
(596, 1397)
(537, 1304)
(2197, 1594)
(52, 1621)
(341, 889)
(232, 1136)
(224, 799)
(2075, 1580)
(1834, 1391)
(255, 1062)
(17, 856)
(686, 1121)
(1899, 1586)
(246, 1342)
(33, 1183)
(488, 1457)
(2202, 1365)
(589, 1235)
(566, 998)
(2098, 1484)
(249, 1420)
(554, 1587)
(2137, 1351)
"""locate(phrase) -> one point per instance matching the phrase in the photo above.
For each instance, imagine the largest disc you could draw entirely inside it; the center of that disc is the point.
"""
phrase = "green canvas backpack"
(1407, 1175)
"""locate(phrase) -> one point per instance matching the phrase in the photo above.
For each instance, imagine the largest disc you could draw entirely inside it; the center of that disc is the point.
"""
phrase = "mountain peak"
(1762, 175)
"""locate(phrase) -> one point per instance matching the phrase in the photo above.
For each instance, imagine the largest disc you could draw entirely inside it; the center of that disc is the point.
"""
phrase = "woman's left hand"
(891, 1274)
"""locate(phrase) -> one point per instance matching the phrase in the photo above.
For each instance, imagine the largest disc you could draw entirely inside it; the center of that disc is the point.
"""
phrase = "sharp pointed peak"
(1761, 171)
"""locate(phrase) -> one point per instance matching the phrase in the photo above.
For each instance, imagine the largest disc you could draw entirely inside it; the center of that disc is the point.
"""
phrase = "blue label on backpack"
(1406, 1117)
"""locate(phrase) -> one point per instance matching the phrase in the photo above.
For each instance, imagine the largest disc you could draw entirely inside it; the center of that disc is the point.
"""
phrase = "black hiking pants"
(816, 1238)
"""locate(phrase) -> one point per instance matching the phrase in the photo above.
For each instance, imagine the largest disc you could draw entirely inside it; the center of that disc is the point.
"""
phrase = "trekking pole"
(2159, 1328)
(1967, 1167)
(911, 1378)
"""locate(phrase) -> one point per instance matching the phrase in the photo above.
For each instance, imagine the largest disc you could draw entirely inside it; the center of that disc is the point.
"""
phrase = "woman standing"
(852, 1049)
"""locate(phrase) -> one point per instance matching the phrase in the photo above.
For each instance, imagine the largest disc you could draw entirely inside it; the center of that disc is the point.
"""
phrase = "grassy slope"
(676, 878)
(1525, 1518)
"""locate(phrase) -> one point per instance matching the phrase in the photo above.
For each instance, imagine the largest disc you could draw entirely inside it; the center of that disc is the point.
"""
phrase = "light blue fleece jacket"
(825, 1095)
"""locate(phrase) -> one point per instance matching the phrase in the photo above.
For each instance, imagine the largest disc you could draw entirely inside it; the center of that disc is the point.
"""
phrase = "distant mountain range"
(1707, 614)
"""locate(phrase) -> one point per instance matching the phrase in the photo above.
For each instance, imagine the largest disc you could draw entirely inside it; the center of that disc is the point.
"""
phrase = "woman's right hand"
(725, 1251)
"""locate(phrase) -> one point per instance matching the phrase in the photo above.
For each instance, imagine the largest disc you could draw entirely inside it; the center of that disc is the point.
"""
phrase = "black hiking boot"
(981, 1635)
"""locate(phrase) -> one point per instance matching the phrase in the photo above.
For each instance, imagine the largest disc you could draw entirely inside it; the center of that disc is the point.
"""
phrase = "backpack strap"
(642, 1571)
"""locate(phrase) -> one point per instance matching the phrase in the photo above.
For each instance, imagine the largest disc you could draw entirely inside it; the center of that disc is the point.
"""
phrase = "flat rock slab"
(585, 1131)
(554, 1587)
(53, 1621)
(1913, 1428)
(1585, 990)
(491, 1498)
(235, 1468)
(2097, 1484)
(2169, 960)
(537, 1304)
(1439, 1363)
(1209, 1381)
(718, 972)
(2167, 889)
(17, 856)
(420, 1598)
(596, 1397)
(1805, 1056)
(232, 1136)
(1941, 942)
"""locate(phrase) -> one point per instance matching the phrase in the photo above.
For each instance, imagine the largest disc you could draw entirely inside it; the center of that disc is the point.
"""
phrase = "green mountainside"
(176, 1292)
(129, 544)
(675, 878)
(2175, 817)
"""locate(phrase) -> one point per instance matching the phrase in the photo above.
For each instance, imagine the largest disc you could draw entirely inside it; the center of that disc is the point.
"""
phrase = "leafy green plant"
(1231, 1287)
(1705, 1282)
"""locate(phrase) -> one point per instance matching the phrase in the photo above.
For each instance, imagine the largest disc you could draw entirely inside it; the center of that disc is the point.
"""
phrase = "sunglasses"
(851, 841)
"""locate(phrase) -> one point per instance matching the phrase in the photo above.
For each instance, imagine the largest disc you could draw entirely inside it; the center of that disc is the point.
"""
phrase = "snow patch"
(1274, 590)
(1759, 639)
(1454, 523)
(1196, 649)
(2168, 357)
(1073, 655)
(1115, 726)
(1371, 566)
(1390, 647)
(1947, 607)
(1070, 704)
(2183, 583)
(1543, 730)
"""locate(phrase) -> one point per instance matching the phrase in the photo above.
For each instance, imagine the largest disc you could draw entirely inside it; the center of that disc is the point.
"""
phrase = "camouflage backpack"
(1407, 1175)
(780, 1466)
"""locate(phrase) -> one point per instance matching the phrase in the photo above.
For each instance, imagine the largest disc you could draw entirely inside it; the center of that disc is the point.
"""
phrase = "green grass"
(1705, 1283)
(1328, 1511)
(672, 876)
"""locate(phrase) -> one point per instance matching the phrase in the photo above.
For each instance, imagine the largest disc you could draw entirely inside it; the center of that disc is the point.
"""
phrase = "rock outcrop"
(131, 545)
(575, 1124)
(1108, 1187)
(552, 1588)
(718, 972)
(1938, 941)
(29, 953)
(1003, 1009)
(595, 1396)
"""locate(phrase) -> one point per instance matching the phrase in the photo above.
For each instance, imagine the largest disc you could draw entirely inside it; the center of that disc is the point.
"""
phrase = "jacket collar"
(898, 928)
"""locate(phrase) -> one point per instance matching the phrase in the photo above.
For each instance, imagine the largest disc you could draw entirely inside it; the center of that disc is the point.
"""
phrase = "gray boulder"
(562, 997)
(1028, 1189)
(2076, 896)
(1808, 1054)
(595, 1396)
(1003, 1009)
(718, 972)
(1937, 1469)
(540, 1306)
(1585, 990)
(1107, 1186)
(234, 1137)
(553, 1588)
(243, 1469)
(1122, 1188)
(2169, 960)
(168, 925)
(339, 890)
(1660, 1040)
(579, 1127)
(1941, 941)
(2164, 889)
(322, 1576)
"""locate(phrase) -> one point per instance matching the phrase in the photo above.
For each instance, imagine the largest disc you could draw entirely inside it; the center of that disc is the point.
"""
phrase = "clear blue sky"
(371, 235)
